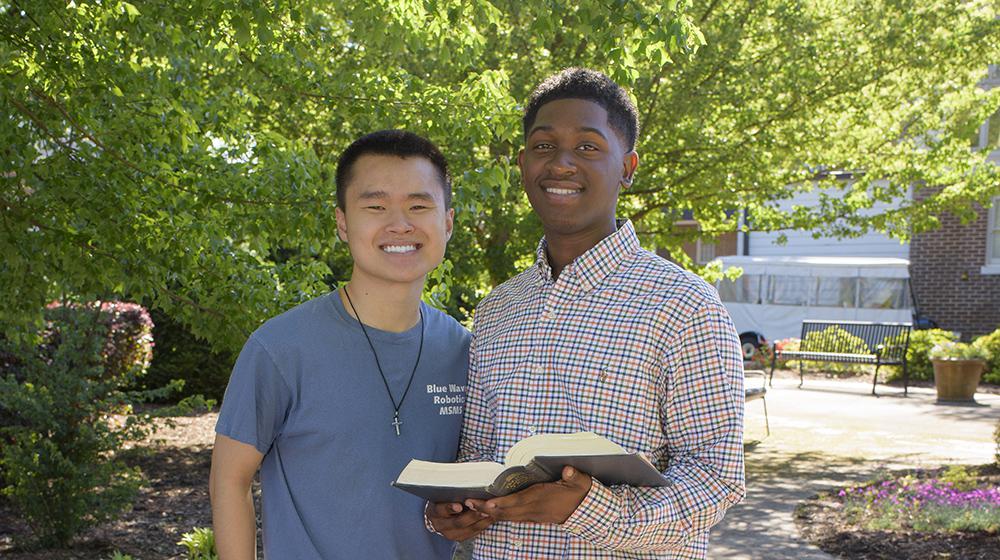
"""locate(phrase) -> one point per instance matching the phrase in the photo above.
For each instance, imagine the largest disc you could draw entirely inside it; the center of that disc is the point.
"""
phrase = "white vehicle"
(775, 294)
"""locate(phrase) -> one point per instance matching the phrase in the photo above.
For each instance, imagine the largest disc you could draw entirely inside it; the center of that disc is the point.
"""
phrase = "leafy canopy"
(182, 153)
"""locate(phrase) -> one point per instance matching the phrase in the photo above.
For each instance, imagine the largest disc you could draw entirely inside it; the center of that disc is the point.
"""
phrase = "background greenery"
(181, 153)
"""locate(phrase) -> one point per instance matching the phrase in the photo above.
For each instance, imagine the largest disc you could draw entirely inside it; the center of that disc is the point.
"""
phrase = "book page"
(453, 475)
(579, 443)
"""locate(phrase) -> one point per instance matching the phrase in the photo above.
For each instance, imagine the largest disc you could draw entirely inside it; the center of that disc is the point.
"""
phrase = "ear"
(341, 225)
(449, 222)
(629, 164)
(520, 163)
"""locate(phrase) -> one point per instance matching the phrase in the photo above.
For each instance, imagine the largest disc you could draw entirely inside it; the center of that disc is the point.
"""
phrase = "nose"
(562, 163)
(399, 222)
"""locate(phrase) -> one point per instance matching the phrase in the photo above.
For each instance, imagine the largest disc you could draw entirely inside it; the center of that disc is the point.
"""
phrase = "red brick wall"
(945, 275)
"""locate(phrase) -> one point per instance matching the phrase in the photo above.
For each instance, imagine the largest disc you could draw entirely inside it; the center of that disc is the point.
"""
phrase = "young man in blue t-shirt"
(331, 399)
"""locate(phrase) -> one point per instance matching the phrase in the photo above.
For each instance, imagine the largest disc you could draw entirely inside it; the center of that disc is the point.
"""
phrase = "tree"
(182, 153)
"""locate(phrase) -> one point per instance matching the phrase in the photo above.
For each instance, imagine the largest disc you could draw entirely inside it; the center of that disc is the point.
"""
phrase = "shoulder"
(443, 325)
(511, 292)
(290, 326)
(676, 297)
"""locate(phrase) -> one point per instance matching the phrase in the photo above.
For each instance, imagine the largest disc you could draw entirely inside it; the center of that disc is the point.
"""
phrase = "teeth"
(561, 191)
(399, 248)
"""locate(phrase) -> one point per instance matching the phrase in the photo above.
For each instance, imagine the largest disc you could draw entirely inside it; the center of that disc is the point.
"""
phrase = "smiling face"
(572, 167)
(394, 220)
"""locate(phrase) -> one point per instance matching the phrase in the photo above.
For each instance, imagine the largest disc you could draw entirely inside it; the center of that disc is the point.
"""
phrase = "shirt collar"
(598, 262)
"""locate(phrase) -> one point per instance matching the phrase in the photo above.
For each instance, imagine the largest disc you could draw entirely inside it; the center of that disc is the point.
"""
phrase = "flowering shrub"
(958, 351)
(66, 413)
(763, 357)
(951, 502)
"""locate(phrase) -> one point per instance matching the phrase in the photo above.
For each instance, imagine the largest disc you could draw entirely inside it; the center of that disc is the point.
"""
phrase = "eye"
(419, 207)
(587, 147)
(544, 146)
(375, 207)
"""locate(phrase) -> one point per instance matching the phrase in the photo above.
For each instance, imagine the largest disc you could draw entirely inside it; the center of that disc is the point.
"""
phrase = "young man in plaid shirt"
(599, 335)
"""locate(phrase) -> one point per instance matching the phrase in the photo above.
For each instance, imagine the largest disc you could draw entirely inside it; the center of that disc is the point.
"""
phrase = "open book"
(532, 460)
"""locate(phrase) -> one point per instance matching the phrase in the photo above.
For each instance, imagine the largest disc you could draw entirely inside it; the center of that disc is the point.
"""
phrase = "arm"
(233, 467)
(702, 421)
(453, 521)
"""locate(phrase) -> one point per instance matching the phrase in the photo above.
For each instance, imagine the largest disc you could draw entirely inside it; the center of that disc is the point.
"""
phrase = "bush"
(996, 439)
(991, 344)
(181, 355)
(763, 356)
(918, 365)
(66, 416)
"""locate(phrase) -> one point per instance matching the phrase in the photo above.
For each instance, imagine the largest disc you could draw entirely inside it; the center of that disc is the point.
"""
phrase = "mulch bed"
(821, 522)
(173, 501)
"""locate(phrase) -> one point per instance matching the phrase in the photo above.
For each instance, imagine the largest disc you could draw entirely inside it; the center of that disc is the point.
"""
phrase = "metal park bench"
(755, 393)
(850, 342)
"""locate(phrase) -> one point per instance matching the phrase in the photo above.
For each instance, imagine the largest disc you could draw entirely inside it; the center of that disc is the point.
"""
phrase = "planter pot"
(956, 380)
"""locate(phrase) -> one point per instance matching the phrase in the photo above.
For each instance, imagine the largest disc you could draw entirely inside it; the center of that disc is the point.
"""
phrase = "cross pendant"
(396, 422)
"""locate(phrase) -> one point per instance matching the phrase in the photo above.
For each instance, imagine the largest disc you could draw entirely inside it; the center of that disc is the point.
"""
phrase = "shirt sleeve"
(257, 399)
(478, 440)
(702, 421)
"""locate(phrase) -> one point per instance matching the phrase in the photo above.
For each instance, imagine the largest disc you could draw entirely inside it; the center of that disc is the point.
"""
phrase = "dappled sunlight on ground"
(834, 432)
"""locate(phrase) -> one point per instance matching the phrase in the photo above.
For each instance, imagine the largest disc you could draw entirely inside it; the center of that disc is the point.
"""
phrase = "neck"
(388, 308)
(564, 248)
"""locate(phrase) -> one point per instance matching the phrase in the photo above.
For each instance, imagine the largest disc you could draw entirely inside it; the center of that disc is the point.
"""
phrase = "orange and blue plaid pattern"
(632, 347)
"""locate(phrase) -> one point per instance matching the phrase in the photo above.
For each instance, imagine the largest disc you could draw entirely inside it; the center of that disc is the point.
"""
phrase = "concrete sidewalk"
(834, 432)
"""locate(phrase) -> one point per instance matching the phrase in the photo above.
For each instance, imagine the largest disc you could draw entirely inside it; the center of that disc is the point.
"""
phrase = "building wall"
(947, 280)
(801, 243)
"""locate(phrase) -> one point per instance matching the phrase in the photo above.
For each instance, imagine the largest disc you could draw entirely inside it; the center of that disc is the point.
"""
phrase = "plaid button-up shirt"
(632, 347)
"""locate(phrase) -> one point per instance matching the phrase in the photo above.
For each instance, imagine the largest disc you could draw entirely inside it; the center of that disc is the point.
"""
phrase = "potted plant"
(957, 369)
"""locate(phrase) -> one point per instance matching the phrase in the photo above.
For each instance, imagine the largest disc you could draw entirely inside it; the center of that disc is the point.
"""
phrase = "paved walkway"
(833, 432)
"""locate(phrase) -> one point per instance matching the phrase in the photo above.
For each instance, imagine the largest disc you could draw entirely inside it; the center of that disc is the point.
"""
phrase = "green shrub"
(200, 544)
(918, 365)
(117, 555)
(66, 416)
(996, 439)
(991, 344)
(178, 354)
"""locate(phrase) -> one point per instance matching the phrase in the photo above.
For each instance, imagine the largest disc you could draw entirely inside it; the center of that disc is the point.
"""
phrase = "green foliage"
(996, 439)
(990, 343)
(117, 555)
(182, 153)
(918, 363)
(180, 355)
(66, 416)
(959, 477)
(958, 351)
(200, 544)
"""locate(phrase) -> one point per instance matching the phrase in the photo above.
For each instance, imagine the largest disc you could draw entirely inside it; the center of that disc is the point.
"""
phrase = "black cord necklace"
(420, 350)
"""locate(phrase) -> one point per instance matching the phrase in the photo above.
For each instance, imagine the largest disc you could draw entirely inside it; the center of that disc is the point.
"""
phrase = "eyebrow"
(547, 128)
(382, 195)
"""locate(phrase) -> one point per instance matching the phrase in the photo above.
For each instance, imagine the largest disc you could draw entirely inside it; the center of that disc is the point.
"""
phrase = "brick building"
(955, 273)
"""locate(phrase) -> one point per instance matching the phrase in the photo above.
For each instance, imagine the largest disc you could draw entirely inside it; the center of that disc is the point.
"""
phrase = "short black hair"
(589, 85)
(398, 143)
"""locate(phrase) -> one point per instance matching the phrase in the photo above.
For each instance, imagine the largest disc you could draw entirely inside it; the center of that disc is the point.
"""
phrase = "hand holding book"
(530, 461)
(550, 502)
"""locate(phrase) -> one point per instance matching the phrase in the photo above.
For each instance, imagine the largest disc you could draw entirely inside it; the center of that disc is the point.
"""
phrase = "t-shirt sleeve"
(257, 399)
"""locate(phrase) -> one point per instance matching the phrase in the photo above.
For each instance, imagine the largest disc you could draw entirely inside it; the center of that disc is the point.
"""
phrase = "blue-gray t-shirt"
(306, 393)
